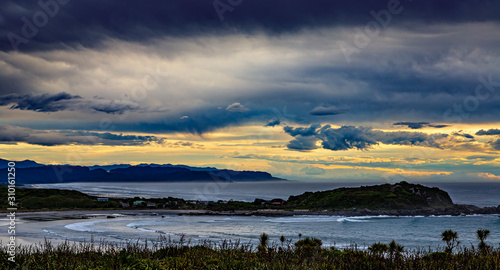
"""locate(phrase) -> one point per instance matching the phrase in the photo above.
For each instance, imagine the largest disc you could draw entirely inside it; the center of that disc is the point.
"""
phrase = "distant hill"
(123, 166)
(380, 197)
(20, 164)
(31, 172)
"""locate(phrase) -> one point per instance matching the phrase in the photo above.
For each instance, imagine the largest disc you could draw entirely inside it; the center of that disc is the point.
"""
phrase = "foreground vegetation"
(307, 253)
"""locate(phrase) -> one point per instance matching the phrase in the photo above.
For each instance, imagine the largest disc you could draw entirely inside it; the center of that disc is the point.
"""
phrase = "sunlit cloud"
(489, 176)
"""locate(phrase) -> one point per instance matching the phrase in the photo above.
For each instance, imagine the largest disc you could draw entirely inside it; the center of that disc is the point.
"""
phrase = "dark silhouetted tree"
(378, 248)
(282, 240)
(264, 240)
(395, 249)
(481, 236)
(451, 239)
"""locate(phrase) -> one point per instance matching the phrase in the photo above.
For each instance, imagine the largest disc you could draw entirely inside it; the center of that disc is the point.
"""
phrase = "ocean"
(412, 232)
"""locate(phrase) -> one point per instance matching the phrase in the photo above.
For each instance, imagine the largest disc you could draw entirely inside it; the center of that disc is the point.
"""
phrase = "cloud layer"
(64, 101)
(483, 132)
(359, 138)
(13, 134)
(419, 125)
(277, 71)
(132, 21)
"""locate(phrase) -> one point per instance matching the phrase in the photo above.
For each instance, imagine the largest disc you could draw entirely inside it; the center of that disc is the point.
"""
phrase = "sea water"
(412, 232)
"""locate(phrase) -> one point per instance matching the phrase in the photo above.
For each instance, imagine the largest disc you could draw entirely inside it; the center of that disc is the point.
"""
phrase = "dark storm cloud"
(397, 89)
(438, 126)
(465, 135)
(301, 143)
(64, 102)
(200, 121)
(304, 132)
(13, 134)
(412, 125)
(346, 137)
(331, 110)
(88, 23)
(273, 123)
(419, 125)
(409, 138)
(111, 136)
(384, 85)
(483, 132)
(39, 102)
(360, 138)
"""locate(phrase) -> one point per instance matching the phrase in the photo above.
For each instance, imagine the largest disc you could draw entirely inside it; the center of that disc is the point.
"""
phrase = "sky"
(318, 90)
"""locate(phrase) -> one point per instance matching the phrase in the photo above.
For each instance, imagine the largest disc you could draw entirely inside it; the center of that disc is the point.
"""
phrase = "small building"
(277, 202)
(151, 204)
(138, 202)
(102, 199)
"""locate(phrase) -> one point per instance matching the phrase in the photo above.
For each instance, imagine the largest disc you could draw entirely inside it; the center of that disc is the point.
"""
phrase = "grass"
(306, 253)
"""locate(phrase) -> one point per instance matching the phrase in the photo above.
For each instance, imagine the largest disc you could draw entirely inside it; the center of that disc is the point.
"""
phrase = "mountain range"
(31, 172)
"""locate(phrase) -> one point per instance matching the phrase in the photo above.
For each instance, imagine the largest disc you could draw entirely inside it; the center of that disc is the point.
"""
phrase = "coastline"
(31, 225)
(50, 215)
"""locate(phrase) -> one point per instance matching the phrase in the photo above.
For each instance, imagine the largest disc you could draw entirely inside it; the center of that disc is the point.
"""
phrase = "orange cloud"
(396, 171)
(489, 176)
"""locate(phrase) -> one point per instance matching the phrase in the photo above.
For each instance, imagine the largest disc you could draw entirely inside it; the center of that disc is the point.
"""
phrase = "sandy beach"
(30, 225)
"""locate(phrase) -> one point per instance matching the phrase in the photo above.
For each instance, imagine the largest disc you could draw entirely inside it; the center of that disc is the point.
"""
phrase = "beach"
(121, 226)
(30, 225)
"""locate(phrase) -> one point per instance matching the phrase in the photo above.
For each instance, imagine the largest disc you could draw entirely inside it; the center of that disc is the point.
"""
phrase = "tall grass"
(307, 253)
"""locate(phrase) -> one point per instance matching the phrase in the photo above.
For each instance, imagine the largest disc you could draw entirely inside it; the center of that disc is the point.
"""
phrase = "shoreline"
(458, 211)
(31, 225)
(51, 215)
